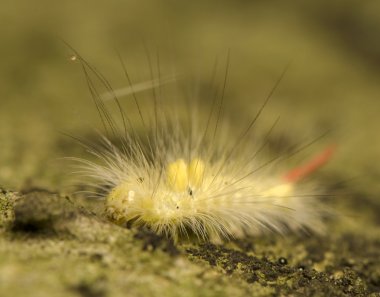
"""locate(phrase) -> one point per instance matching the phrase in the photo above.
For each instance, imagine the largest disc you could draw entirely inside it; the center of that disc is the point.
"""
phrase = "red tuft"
(302, 171)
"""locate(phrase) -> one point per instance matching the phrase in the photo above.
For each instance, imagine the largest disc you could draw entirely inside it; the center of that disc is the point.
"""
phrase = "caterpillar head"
(171, 202)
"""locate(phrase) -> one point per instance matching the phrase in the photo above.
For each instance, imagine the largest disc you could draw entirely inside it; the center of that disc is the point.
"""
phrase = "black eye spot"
(177, 207)
(190, 191)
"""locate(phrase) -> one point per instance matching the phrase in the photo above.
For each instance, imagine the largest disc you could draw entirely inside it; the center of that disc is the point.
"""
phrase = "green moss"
(7, 200)
(299, 277)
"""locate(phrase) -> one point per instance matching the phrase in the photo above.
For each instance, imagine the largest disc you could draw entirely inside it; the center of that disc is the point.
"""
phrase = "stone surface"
(53, 241)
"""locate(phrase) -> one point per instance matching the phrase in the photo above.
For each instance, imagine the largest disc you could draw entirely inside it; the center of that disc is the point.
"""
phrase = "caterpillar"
(188, 175)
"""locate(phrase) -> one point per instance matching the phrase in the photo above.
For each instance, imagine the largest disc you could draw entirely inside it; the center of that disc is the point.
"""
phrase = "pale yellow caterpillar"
(189, 175)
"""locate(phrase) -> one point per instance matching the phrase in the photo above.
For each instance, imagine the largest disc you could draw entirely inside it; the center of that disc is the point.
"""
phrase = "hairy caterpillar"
(187, 174)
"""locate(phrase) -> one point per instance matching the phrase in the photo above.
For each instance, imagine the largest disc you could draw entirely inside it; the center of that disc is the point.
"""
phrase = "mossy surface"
(54, 243)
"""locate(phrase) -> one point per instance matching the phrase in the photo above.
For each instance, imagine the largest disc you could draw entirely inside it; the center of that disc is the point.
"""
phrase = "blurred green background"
(332, 83)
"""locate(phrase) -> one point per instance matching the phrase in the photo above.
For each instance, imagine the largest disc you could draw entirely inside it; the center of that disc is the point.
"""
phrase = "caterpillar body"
(188, 176)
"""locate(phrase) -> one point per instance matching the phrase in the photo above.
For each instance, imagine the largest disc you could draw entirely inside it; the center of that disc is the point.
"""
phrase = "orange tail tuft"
(302, 171)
